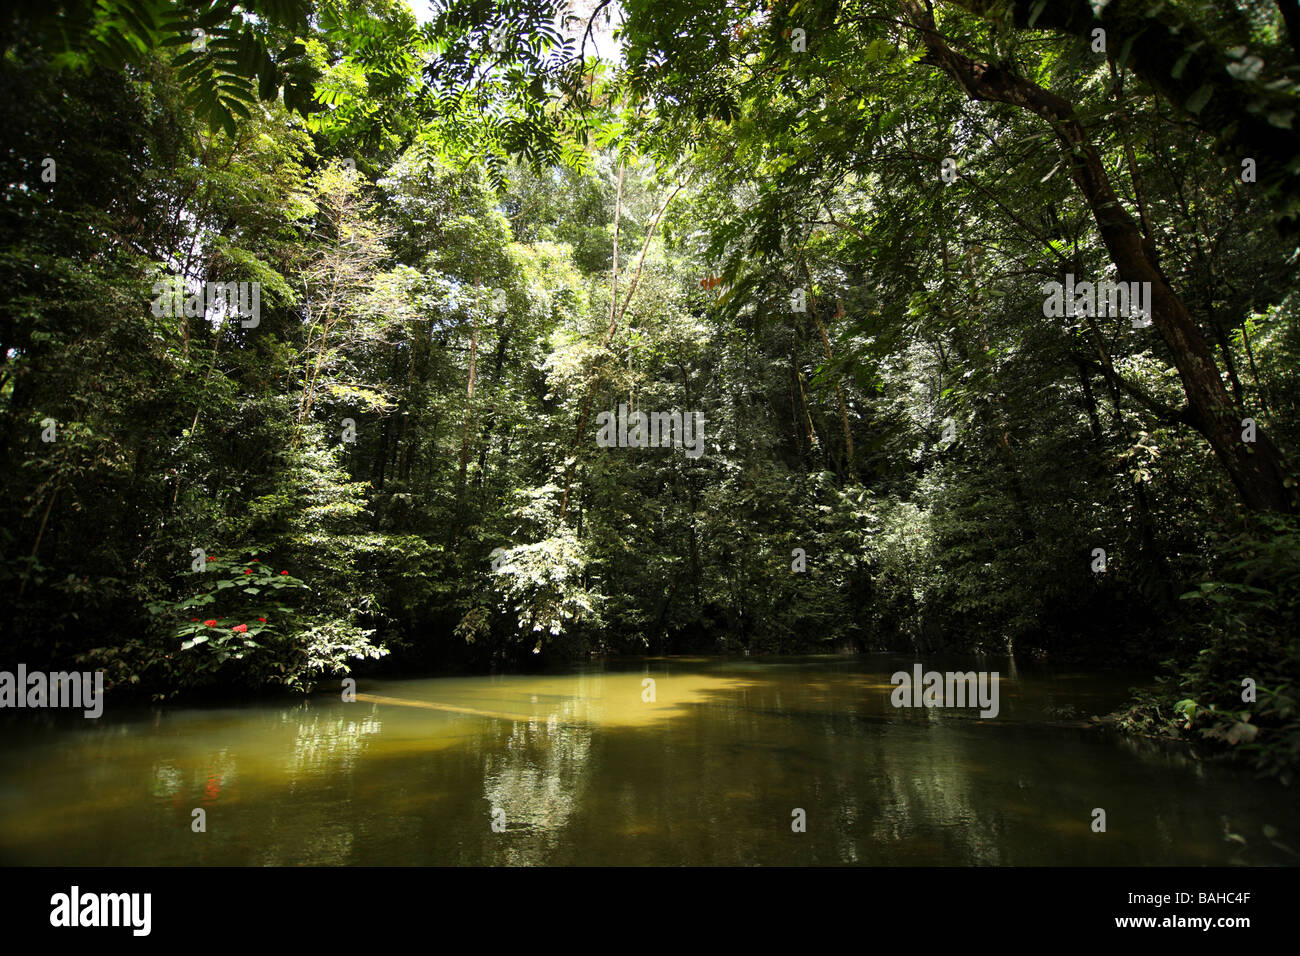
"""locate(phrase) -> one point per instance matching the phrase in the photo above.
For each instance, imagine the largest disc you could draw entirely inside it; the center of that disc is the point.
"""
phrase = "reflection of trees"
(708, 776)
(877, 789)
(540, 770)
(208, 777)
(327, 746)
(928, 805)
(331, 741)
(537, 776)
(167, 780)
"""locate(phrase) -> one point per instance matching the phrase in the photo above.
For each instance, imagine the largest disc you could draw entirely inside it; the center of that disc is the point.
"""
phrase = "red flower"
(211, 558)
(240, 629)
(210, 623)
(248, 570)
(256, 560)
(262, 619)
(284, 572)
(194, 619)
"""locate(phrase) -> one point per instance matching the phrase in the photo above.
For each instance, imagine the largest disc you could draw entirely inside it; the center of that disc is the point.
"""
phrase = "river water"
(582, 768)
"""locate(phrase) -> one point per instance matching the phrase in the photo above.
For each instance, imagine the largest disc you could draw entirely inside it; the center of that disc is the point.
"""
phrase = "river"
(581, 767)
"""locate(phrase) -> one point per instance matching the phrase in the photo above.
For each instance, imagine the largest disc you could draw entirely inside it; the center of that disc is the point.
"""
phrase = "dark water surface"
(587, 772)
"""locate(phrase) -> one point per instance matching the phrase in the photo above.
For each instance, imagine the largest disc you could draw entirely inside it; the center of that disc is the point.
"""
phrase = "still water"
(587, 771)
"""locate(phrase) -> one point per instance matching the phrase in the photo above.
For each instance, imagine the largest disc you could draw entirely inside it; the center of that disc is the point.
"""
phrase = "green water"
(588, 772)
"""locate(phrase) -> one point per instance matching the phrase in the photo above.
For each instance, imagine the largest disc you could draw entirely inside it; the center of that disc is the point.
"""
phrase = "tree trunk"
(839, 392)
(1179, 60)
(1257, 472)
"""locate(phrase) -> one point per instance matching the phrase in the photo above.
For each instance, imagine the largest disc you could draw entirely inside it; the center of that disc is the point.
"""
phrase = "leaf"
(1180, 65)
(1196, 102)
(1247, 70)
(1242, 731)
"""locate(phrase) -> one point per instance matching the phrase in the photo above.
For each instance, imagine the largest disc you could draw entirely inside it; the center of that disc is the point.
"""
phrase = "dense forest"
(331, 330)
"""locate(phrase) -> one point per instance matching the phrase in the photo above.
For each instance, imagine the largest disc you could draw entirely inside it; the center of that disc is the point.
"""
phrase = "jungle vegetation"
(827, 226)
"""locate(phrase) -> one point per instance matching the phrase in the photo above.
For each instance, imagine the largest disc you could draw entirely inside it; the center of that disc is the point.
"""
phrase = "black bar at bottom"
(364, 906)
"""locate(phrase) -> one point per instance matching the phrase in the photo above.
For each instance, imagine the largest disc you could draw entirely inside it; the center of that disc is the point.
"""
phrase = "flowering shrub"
(254, 631)
(252, 615)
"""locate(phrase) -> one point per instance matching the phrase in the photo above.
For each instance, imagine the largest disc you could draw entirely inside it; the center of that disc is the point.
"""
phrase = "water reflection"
(537, 779)
(330, 743)
(590, 768)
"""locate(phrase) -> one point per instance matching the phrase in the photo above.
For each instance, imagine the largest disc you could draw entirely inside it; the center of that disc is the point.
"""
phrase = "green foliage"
(1231, 682)
(1253, 633)
(241, 612)
(233, 53)
(432, 218)
(541, 585)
